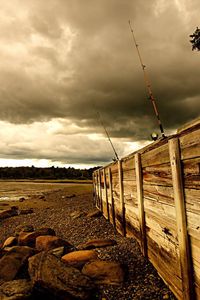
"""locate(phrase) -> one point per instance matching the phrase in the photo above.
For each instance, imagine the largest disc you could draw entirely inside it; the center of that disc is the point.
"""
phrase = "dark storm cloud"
(75, 58)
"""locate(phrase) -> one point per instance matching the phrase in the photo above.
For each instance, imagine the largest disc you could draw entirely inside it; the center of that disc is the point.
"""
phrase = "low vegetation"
(45, 173)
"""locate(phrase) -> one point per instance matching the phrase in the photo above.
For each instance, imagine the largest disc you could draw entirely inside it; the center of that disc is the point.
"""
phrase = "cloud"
(68, 59)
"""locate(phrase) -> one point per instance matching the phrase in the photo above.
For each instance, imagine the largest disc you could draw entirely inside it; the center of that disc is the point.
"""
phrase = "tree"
(195, 40)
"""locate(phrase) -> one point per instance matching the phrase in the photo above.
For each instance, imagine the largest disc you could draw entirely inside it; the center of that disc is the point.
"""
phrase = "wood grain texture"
(140, 198)
(158, 175)
(171, 195)
(184, 247)
(156, 156)
(190, 145)
(106, 196)
(112, 207)
(121, 195)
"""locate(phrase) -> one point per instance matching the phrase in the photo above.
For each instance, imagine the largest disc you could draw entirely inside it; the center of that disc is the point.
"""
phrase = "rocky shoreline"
(68, 216)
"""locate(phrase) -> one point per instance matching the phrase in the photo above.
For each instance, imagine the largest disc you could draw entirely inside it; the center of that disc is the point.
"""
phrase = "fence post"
(121, 193)
(181, 219)
(111, 197)
(94, 188)
(97, 187)
(100, 191)
(140, 198)
(106, 193)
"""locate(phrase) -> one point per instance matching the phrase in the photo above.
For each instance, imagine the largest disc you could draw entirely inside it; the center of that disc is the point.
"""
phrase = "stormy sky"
(62, 61)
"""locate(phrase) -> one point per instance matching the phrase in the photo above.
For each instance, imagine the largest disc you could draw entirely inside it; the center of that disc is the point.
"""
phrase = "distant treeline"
(45, 173)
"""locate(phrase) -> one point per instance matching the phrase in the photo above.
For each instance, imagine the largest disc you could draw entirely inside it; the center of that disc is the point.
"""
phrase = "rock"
(14, 207)
(21, 199)
(8, 213)
(48, 242)
(58, 252)
(94, 213)
(76, 214)
(97, 243)
(70, 196)
(13, 260)
(166, 296)
(25, 211)
(16, 290)
(41, 197)
(23, 228)
(104, 272)
(49, 274)
(78, 258)
(9, 242)
(28, 239)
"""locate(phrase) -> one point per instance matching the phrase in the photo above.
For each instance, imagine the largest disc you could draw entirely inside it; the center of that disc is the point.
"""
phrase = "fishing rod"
(108, 136)
(147, 83)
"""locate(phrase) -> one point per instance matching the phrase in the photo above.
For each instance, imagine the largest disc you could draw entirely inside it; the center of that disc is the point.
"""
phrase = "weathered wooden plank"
(156, 156)
(130, 193)
(106, 195)
(121, 193)
(95, 188)
(119, 219)
(132, 225)
(165, 242)
(128, 163)
(129, 175)
(114, 168)
(161, 209)
(193, 222)
(195, 249)
(159, 194)
(167, 222)
(98, 196)
(166, 266)
(189, 125)
(184, 248)
(111, 198)
(162, 194)
(191, 169)
(140, 198)
(104, 206)
(165, 229)
(132, 211)
(192, 198)
(190, 145)
(100, 191)
(158, 175)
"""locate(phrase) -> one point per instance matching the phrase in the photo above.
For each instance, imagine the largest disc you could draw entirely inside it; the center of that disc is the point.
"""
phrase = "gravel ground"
(142, 280)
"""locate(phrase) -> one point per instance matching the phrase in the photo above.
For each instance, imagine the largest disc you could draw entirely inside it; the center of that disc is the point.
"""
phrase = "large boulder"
(23, 228)
(9, 213)
(104, 272)
(13, 261)
(28, 239)
(10, 241)
(58, 252)
(78, 258)
(97, 243)
(16, 290)
(51, 276)
(25, 211)
(48, 242)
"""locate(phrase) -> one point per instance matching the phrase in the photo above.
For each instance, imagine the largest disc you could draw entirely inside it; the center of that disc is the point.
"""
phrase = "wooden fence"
(154, 196)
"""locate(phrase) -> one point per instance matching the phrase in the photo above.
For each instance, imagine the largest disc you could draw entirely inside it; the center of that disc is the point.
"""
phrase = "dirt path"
(54, 211)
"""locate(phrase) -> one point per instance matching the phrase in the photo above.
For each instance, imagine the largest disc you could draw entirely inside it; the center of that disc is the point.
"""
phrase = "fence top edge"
(184, 130)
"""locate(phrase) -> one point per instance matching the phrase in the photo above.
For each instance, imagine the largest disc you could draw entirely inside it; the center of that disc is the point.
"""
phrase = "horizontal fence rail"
(153, 195)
